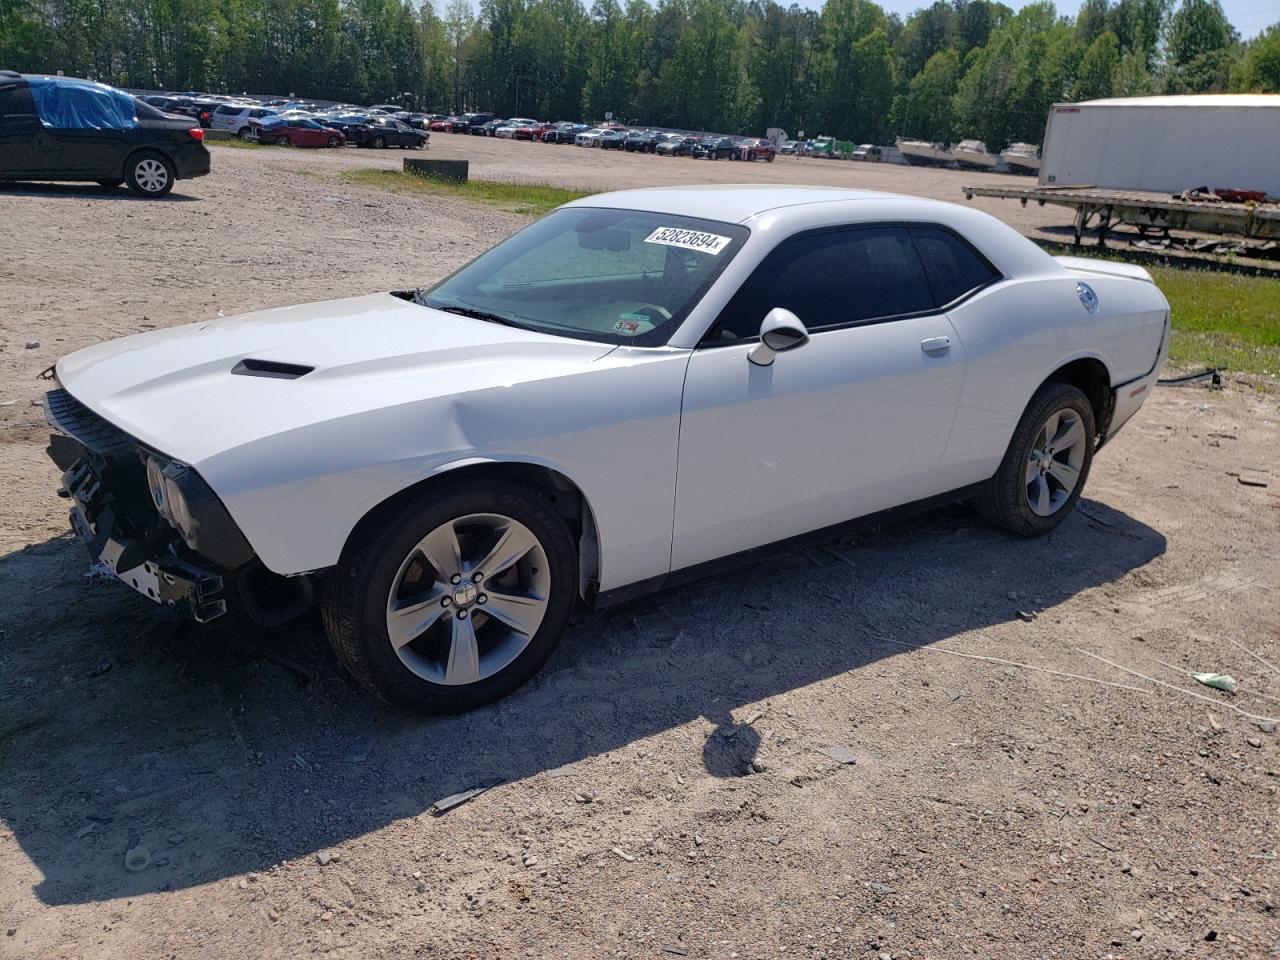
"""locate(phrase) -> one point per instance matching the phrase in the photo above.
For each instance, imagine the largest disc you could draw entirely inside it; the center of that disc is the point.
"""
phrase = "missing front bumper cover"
(144, 563)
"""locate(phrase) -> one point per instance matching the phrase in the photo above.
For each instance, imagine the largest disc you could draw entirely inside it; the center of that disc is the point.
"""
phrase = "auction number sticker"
(688, 240)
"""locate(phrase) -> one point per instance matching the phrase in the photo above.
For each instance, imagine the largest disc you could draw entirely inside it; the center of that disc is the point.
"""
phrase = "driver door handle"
(935, 344)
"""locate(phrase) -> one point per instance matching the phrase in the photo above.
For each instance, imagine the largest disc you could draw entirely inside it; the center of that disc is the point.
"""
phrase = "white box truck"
(1165, 144)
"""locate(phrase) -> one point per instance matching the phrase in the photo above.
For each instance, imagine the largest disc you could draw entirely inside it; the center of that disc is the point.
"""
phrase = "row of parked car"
(304, 124)
(301, 124)
(609, 136)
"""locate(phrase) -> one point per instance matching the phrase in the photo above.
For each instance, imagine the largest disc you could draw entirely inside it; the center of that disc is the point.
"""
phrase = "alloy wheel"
(1054, 463)
(468, 599)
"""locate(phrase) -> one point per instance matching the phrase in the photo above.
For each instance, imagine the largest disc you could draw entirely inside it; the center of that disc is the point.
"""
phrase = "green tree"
(924, 111)
(1094, 80)
(1259, 69)
(699, 82)
(843, 23)
(1197, 28)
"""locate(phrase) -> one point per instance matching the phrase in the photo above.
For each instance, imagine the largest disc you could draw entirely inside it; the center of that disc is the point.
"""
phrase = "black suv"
(61, 128)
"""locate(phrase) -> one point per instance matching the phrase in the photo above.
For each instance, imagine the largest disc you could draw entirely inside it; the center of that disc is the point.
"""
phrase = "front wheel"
(1044, 470)
(149, 175)
(454, 600)
(379, 142)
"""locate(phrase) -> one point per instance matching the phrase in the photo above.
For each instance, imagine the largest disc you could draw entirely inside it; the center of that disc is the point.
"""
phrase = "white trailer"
(1165, 144)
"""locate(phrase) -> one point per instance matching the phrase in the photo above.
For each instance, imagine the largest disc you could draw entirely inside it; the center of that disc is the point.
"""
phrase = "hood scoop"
(271, 369)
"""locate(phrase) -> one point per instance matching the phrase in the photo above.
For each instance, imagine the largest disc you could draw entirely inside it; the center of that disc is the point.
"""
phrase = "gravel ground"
(667, 786)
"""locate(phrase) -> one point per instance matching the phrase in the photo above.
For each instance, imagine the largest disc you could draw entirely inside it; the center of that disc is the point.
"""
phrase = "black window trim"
(996, 277)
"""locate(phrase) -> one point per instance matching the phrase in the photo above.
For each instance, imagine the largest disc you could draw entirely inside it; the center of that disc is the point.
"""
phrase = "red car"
(299, 133)
(757, 150)
(443, 126)
(533, 131)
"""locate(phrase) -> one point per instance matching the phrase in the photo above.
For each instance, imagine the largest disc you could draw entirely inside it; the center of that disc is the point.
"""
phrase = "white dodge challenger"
(633, 389)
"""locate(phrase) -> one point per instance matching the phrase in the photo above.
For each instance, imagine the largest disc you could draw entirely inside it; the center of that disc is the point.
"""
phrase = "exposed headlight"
(166, 493)
(186, 503)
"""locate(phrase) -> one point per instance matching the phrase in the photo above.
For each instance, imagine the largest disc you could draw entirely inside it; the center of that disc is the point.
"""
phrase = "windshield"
(618, 276)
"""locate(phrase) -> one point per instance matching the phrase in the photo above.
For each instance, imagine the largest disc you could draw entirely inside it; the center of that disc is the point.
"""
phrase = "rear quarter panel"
(1018, 332)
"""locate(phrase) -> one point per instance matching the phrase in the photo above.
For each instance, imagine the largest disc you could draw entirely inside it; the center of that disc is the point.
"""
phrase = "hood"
(198, 390)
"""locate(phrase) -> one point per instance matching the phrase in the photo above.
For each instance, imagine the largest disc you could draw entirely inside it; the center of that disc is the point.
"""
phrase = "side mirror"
(780, 331)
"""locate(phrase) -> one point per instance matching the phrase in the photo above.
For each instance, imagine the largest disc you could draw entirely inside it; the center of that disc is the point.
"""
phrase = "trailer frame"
(1149, 212)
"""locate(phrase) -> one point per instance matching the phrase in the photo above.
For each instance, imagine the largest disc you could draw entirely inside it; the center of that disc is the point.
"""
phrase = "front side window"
(830, 278)
(618, 276)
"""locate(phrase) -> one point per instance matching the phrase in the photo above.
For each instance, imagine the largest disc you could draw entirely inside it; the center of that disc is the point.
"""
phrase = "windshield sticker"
(630, 324)
(688, 240)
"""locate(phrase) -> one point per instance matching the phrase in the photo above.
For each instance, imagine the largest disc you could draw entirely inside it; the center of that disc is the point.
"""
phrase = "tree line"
(958, 68)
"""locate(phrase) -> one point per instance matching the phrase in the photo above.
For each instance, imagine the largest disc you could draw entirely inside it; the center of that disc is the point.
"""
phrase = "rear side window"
(227, 108)
(830, 279)
(953, 267)
(16, 106)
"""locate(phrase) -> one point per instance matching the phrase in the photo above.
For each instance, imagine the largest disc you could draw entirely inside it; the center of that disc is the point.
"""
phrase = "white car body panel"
(682, 453)
(769, 452)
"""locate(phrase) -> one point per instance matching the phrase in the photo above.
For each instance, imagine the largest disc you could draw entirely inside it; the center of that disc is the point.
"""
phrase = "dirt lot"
(173, 791)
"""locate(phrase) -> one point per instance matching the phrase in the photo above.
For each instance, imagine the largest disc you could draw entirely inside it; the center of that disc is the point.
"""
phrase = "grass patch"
(1223, 319)
(1220, 319)
(528, 199)
(235, 144)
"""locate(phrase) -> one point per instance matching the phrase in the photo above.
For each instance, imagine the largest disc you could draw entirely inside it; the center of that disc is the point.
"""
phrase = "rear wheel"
(453, 600)
(149, 175)
(246, 132)
(1044, 470)
(379, 142)
(333, 142)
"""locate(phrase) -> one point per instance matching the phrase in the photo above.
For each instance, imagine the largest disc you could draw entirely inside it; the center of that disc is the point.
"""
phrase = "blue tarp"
(65, 103)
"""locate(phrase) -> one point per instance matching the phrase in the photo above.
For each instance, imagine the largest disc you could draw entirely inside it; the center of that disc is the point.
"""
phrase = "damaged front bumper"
(148, 564)
(104, 475)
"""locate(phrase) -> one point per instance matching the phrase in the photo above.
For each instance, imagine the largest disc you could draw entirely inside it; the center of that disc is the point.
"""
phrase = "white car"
(236, 116)
(631, 388)
(588, 138)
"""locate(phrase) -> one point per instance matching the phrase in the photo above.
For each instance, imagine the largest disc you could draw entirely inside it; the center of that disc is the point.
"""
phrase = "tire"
(770, 157)
(245, 133)
(149, 174)
(1017, 497)
(109, 184)
(379, 142)
(333, 142)
(382, 564)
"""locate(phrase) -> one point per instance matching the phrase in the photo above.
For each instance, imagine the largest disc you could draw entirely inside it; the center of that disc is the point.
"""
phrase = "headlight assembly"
(187, 504)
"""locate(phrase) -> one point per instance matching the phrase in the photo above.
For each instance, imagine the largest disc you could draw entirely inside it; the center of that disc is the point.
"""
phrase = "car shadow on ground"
(84, 191)
(145, 754)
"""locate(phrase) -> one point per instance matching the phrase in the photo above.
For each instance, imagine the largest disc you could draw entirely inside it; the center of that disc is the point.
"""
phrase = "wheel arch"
(1092, 376)
(144, 149)
(561, 491)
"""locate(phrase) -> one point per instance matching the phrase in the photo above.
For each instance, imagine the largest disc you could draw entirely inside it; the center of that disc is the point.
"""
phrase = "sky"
(1250, 17)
